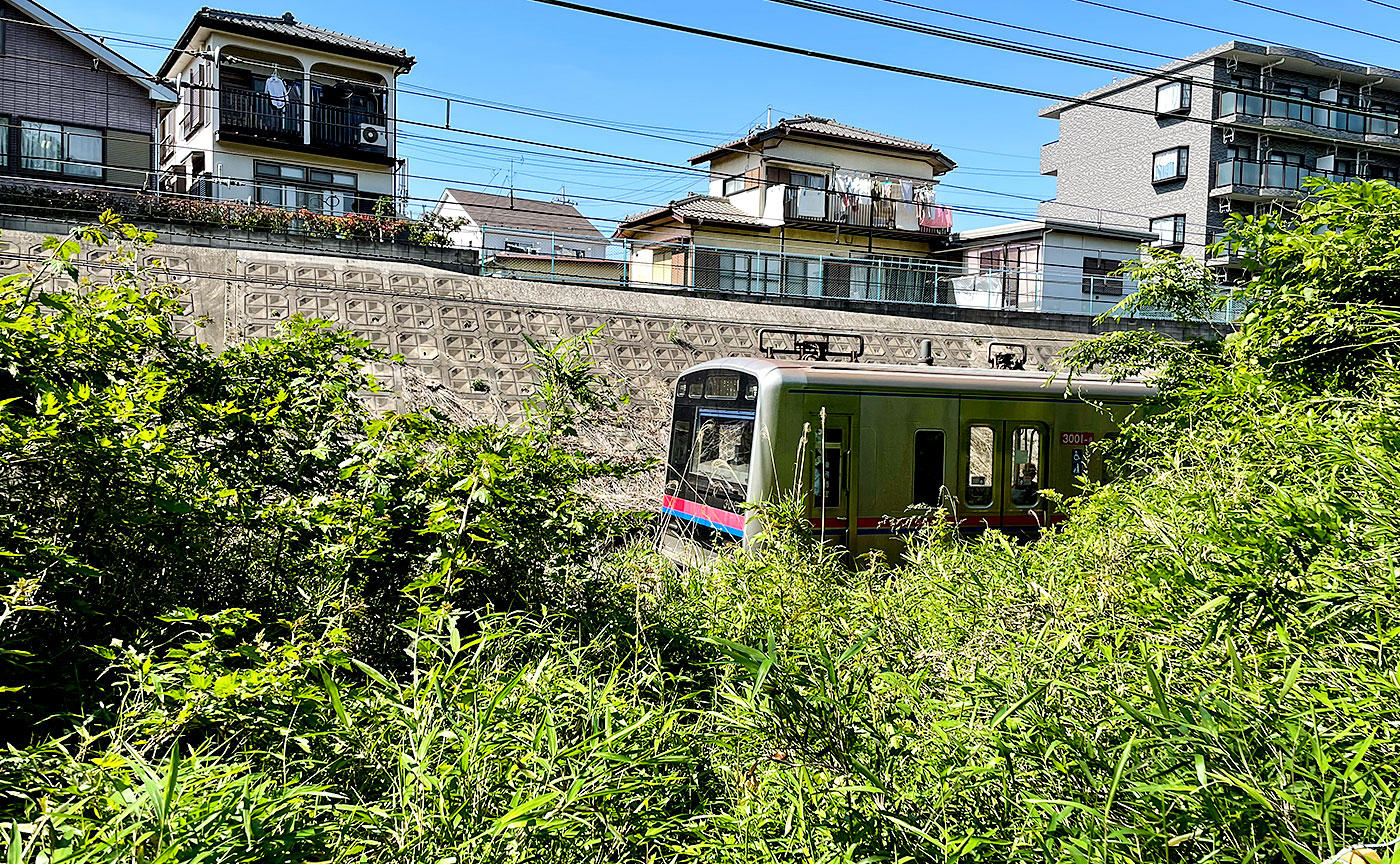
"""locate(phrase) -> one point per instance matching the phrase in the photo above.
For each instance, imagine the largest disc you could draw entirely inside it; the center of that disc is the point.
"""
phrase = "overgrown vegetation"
(252, 621)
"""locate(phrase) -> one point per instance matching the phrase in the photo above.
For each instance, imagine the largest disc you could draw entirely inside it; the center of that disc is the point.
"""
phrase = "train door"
(981, 470)
(831, 500)
(1003, 464)
(1026, 473)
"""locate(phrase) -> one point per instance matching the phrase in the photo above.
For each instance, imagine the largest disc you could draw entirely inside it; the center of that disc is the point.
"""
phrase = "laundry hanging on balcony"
(811, 203)
(930, 214)
(276, 90)
(852, 190)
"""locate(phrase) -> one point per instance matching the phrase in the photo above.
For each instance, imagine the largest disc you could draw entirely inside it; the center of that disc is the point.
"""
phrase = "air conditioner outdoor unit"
(372, 135)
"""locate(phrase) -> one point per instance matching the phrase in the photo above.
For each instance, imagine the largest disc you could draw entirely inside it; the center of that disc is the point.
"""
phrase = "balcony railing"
(1262, 105)
(1267, 175)
(801, 204)
(336, 126)
(251, 113)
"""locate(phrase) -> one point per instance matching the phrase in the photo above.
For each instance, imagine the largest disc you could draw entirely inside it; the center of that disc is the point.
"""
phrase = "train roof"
(911, 376)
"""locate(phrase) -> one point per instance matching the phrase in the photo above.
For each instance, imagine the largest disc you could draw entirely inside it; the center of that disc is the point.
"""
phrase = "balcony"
(250, 116)
(1265, 179)
(1278, 112)
(824, 207)
(245, 112)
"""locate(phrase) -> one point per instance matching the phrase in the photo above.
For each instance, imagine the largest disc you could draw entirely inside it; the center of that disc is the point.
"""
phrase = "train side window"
(981, 460)
(1025, 467)
(826, 483)
(928, 466)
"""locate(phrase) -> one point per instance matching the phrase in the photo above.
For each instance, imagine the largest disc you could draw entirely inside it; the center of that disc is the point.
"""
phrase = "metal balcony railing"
(332, 126)
(1341, 119)
(801, 204)
(337, 126)
(252, 113)
(1267, 175)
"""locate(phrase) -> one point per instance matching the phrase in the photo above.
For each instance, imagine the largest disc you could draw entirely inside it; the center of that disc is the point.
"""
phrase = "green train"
(876, 448)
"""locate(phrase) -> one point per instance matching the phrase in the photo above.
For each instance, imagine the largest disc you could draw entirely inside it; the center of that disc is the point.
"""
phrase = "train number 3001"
(1076, 439)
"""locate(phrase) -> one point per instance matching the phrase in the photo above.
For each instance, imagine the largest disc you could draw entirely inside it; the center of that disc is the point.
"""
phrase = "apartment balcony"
(1239, 178)
(827, 209)
(250, 117)
(1269, 113)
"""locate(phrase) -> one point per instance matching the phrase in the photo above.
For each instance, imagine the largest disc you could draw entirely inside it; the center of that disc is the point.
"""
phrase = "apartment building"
(1235, 129)
(73, 112)
(278, 112)
(805, 206)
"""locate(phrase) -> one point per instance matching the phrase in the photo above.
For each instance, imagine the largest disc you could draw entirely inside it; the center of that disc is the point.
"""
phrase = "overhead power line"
(1321, 21)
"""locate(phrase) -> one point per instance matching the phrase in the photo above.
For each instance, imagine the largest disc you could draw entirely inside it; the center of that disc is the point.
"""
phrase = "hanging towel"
(906, 194)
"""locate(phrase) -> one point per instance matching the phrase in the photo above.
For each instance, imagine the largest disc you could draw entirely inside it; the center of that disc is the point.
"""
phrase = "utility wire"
(884, 67)
(1311, 20)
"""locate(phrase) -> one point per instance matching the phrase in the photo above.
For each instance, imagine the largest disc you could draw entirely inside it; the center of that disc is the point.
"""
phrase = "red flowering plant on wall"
(381, 226)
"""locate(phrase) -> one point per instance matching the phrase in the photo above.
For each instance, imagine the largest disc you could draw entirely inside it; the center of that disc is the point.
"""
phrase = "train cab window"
(721, 448)
(981, 462)
(928, 467)
(1025, 467)
(827, 483)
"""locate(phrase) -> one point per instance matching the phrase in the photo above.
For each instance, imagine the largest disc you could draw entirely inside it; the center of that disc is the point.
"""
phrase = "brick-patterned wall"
(45, 77)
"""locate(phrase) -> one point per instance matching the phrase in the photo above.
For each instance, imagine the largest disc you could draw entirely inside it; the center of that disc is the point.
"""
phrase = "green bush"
(253, 621)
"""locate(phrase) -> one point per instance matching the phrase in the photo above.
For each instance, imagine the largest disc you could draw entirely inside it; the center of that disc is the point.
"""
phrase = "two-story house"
(1234, 129)
(73, 112)
(807, 206)
(275, 111)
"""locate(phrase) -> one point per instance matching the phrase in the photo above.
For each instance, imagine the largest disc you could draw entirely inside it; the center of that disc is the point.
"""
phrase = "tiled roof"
(526, 214)
(699, 208)
(285, 28)
(826, 128)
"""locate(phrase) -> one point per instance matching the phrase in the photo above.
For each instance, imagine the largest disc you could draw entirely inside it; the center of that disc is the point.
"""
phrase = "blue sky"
(528, 54)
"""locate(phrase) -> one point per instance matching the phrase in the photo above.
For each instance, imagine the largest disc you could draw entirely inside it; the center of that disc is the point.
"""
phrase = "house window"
(1170, 230)
(1169, 165)
(807, 179)
(319, 190)
(735, 185)
(1380, 172)
(69, 150)
(4, 141)
(269, 194)
(1173, 97)
(1097, 280)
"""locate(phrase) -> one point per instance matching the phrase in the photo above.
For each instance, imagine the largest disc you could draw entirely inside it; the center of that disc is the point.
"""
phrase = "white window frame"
(1180, 164)
(1170, 230)
(1173, 97)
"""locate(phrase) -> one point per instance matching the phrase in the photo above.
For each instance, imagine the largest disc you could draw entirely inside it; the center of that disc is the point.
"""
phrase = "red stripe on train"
(697, 510)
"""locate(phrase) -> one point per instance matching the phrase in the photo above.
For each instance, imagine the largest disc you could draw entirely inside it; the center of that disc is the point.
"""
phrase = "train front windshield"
(712, 436)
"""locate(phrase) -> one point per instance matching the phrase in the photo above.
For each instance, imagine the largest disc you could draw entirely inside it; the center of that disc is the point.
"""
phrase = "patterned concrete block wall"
(468, 335)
